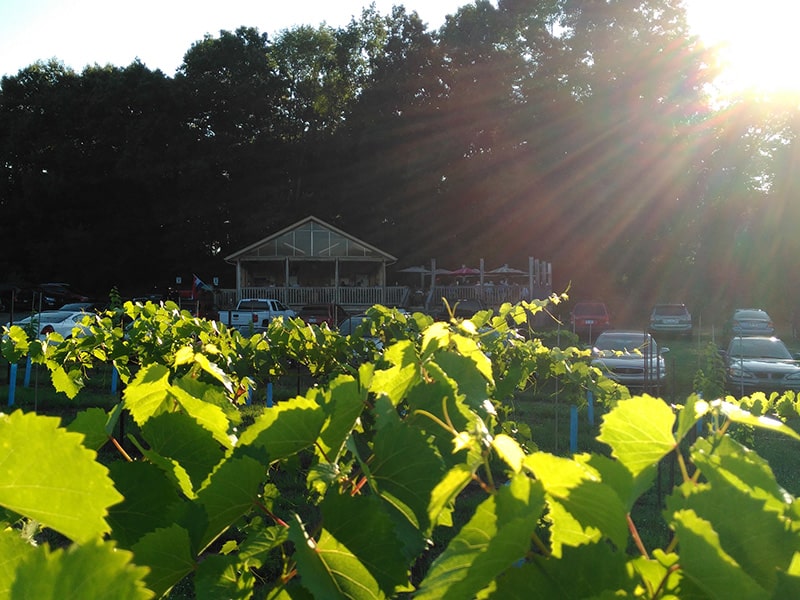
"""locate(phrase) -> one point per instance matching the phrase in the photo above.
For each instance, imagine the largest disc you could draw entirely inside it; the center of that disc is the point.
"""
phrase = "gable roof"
(310, 238)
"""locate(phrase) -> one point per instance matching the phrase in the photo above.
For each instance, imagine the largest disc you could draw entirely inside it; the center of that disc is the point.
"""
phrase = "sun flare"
(758, 43)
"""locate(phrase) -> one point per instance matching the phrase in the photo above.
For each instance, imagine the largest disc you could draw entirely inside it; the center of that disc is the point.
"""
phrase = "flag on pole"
(198, 285)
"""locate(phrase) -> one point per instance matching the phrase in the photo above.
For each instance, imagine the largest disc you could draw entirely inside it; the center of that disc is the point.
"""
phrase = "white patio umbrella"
(506, 270)
(417, 269)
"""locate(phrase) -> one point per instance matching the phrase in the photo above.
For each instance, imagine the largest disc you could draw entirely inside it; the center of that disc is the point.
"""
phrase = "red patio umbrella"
(465, 270)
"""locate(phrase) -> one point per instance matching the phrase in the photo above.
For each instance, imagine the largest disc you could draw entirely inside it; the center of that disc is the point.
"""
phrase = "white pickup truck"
(254, 314)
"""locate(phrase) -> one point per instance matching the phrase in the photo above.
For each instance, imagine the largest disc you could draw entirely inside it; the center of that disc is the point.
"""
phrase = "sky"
(159, 32)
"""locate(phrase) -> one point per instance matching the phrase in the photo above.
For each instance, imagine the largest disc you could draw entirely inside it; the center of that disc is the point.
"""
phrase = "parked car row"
(754, 359)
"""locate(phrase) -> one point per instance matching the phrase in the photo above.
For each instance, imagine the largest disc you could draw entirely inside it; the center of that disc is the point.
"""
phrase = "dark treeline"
(577, 132)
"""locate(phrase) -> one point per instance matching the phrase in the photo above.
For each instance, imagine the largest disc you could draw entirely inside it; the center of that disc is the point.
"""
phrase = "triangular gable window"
(311, 240)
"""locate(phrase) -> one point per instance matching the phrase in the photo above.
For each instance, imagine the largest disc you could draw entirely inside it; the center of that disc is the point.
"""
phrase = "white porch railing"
(489, 295)
(354, 298)
(349, 297)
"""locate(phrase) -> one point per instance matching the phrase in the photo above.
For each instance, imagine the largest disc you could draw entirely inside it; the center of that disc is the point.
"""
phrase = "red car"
(590, 318)
(317, 314)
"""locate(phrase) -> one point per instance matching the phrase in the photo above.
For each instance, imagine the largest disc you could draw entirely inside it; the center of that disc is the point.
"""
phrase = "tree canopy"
(577, 132)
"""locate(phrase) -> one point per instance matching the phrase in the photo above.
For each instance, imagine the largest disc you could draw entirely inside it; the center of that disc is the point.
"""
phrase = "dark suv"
(671, 319)
(590, 318)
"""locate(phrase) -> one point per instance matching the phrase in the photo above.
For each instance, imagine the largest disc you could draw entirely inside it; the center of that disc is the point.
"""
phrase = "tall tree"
(233, 94)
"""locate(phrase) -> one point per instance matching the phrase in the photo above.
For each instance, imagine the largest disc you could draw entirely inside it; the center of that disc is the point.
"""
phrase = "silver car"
(749, 322)
(64, 322)
(632, 358)
(760, 364)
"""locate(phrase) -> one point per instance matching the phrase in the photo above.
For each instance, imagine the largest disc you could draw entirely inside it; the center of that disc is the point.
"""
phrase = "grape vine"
(407, 416)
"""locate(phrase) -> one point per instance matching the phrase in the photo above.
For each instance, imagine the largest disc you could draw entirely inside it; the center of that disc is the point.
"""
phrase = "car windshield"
(589, 309)
(314, 310)
(633, 342)
(759, 315)
(252, 305)
(770, 348)
(670, 310)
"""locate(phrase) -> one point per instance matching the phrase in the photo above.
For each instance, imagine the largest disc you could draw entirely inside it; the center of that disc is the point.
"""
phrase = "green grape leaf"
(13, 550)
(172, 468)
(578, 490)
(695, 408)
(788, 585)
(705, 562)
(435, 337)
(230, 492)
(405, 469)
(658, 572)
(362, 525)
(150, 499)
(214, 370)
(328, 569)
(48, 475)
(290, 591)
(286, 428)
(183, 356)
(14, 344)
(176, 436)
(739, 415)
(614, 475)
(496, 537)
(639, 431)
(148, 393)
(397, 380)
(761, 544)
(468, 379)
(114, 416)
(209, 416)
(260, 541)
(727, 462)
(470, 349)
(91, 571)
(509, 450)
(446, 491)
(65, 382)
(582, 572)
(92, 424)
(343, 404)
(566, 531)
(220, 576)
(167, 551)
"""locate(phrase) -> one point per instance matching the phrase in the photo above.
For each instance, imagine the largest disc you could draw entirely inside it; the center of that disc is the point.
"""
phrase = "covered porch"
(313, 262)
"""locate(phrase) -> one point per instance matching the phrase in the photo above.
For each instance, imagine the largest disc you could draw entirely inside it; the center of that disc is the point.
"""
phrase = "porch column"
(530, 279)
(238, 280)
(383, 282)
(286, 276)
(336, 298)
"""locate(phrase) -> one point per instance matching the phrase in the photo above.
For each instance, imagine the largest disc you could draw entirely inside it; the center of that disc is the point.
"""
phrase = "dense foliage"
(410, 419)
(577, 132)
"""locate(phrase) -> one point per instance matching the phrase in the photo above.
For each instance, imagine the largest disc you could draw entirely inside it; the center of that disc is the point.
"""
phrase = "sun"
(758, 43)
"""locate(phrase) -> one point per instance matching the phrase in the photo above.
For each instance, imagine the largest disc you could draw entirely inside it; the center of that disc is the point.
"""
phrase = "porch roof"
(310, 239)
